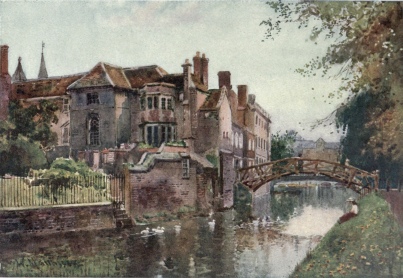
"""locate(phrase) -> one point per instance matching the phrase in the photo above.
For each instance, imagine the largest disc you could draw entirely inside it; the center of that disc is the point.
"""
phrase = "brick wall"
(163, 189)
(55, 219)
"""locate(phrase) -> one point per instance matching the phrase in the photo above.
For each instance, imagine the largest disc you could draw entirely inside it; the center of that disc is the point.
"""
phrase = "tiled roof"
(213, 101)
(176, 79)
(117, 76)
(138, 77)
(198, 84)
(55, 86)
(103, 75)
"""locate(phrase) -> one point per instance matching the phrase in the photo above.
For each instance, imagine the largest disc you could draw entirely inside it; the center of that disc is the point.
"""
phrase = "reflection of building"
(320, 149)
(112, 115)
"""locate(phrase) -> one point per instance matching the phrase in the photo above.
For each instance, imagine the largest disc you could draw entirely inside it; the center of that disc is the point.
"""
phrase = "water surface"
(197, 248)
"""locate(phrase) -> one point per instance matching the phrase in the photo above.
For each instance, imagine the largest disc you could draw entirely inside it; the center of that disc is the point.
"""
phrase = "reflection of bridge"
(356, 179)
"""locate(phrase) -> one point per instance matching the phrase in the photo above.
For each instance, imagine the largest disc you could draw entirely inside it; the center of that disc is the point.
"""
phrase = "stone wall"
(56, 219)
(228, 178)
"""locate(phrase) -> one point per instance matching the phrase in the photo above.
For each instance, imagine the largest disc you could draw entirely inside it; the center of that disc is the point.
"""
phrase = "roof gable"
(215, 99)
(102, 75)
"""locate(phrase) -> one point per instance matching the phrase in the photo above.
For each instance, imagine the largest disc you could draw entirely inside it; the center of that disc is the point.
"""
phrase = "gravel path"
(395, 199)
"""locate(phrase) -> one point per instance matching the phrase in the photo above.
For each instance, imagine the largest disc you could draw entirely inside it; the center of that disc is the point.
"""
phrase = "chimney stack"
(204, 69)
(224, 79)
(242, 95)
(186, 78)
(197, 66)
(4, 60)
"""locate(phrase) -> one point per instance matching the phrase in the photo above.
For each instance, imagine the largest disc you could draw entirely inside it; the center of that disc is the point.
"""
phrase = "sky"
(79, 34)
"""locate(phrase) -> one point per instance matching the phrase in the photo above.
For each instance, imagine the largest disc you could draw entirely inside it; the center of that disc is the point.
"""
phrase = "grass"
(369, 245)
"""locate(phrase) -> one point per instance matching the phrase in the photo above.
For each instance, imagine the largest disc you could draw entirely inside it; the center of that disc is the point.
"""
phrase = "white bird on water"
(177, 228)
(212, 224)
(146, 231)
(159, 230)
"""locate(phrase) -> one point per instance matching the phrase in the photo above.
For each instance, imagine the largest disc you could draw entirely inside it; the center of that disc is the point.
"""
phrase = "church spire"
(43, 73)
(19, 74)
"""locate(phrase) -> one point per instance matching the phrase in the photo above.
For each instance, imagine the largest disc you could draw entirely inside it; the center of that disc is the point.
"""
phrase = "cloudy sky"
(78, 34)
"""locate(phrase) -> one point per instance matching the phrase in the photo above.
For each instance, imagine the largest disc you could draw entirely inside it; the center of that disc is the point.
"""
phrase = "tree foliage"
(367, 42)
(282, 145)
(26, 136)
(34, 121)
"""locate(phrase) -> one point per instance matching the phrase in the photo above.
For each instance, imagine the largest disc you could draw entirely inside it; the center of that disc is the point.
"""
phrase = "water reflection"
(187, 248)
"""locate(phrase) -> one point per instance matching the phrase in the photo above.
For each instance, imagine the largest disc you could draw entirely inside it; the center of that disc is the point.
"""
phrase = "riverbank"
(369, 245)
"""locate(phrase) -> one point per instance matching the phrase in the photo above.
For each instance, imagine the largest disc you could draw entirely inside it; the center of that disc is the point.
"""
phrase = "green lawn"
(369, 245)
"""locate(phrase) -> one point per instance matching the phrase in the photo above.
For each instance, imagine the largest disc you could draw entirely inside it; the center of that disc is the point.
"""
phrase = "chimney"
(242, 95)
(186, 78)
(224, 79)
(197, 66)
(204, 69)
(4, 60)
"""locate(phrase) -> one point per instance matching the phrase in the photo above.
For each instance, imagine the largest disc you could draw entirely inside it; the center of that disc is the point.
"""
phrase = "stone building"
(112, 115)
(318, 149)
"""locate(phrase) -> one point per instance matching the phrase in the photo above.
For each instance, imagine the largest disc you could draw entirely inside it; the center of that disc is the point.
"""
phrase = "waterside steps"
(122, 220)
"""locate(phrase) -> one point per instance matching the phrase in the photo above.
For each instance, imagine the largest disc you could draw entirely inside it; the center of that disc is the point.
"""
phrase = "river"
(187, 247)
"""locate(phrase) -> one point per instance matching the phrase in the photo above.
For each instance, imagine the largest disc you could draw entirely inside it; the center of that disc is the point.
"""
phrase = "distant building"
(318, 149)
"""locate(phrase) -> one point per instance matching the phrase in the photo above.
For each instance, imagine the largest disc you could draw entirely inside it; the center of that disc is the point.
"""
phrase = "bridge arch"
(255, 176)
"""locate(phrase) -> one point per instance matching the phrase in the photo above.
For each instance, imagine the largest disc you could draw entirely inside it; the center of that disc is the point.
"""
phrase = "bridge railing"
(355, 178)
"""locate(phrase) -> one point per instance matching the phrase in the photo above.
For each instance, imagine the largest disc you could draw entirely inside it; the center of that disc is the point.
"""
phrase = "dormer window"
(92, 98)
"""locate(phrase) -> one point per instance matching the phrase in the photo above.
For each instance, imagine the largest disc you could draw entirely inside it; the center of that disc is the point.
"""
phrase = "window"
(92, 98)
(170, 107)
(173, 135)
(65, 135)
(156, 102)
(236, 163)
(93, 130)
(65, 105)
(149, 135)
(150, 103)
(256, 120)
(164, 134)
(143, 103)
(163, 103)
(185, 169)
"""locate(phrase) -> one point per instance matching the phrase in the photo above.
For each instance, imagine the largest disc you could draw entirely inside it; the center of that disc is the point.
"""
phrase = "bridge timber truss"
(356, 179)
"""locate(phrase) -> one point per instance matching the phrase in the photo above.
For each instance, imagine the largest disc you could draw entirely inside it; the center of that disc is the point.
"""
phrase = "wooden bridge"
(356, 179)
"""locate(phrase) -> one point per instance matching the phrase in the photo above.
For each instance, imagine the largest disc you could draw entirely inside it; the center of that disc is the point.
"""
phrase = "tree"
(34, 121)
(368, 43)
(25, 137)
(282, 145)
